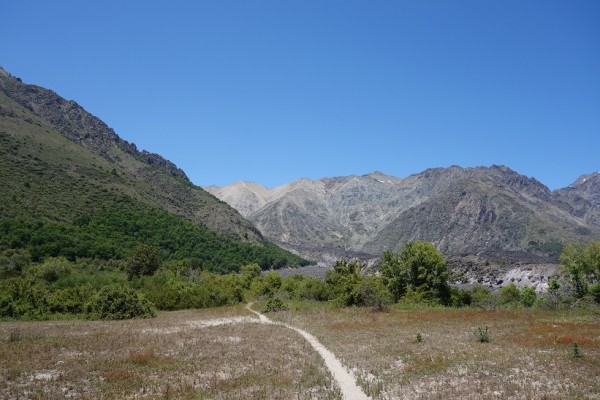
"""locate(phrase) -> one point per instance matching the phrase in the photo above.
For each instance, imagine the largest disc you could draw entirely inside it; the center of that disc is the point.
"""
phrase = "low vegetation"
(529, 352)
(57, 287)
(177, 355)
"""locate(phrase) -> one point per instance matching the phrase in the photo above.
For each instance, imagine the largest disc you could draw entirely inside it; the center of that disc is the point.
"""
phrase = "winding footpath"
(344, 378)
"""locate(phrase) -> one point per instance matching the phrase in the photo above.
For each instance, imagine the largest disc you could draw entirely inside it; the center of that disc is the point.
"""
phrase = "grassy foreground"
(177, 355)
(187, 354)
(529, 355)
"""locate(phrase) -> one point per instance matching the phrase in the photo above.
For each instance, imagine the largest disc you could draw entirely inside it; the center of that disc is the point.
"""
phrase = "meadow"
(423, 353)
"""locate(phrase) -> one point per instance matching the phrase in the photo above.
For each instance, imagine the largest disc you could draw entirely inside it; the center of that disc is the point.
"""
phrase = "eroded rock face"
(532, 271)
(460, 210)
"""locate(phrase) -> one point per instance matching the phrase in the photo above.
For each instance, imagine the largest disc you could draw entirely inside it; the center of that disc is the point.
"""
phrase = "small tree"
(582, 265)
(510, 294)
(419, 266)
(266, 285)
(342, 281)
(144, 260)
(370, 292)
(248, 273)
(528, 296)
(553, 292)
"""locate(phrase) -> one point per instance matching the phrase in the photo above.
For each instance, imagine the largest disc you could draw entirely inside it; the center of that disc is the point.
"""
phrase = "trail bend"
(344, 378)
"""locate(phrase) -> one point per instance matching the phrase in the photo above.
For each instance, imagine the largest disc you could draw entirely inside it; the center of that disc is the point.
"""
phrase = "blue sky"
(273, 91)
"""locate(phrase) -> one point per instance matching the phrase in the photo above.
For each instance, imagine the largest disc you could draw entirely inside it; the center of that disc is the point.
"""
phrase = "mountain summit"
(461, 210)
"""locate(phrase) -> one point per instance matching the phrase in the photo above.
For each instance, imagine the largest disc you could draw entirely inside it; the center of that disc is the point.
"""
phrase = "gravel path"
(344, 378)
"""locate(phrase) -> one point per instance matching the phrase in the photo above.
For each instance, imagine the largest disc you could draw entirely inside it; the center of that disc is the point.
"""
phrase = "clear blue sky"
(273, 91)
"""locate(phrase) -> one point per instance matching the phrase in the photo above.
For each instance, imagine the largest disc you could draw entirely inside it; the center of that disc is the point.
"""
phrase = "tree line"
(143, 282)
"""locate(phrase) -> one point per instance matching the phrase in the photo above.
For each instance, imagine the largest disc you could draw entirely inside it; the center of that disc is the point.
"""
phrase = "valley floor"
(201, 354)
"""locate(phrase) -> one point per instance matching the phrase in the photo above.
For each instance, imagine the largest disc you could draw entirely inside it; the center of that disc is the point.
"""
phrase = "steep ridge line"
(344, 378)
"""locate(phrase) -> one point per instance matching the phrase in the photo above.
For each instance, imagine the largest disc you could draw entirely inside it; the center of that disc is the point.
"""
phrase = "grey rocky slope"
(483, 210)
(582, 198)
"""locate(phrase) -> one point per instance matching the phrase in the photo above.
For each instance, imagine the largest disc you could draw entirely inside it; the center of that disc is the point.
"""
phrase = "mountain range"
(463, 211)
(71, 186)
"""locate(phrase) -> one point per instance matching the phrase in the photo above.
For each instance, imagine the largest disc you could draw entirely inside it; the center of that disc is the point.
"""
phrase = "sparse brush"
(419, 338)
(15, 335)
(482, 334)
(575, 352)
(274, 305)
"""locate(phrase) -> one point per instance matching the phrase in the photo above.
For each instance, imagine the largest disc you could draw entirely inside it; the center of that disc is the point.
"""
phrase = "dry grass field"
(178, 355)
(529, 355)
(190, 355)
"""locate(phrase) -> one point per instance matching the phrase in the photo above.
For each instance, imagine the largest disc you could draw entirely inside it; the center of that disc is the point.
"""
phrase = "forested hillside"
(71, 187)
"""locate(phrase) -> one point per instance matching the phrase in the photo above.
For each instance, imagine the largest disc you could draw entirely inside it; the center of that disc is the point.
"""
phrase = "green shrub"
(171, 292)
(118, 302)
(274, 305)
(70, 300)
(249, 273)
(460, 297)
(594, 291)
(575, 352)
(266, 285)
(420, 297)
(53, 268)
(419, 266)
(482, 298)
(482, 334)
(144, 260)
(370, 292)
(510, 294)
(13, 262)
(528, 296)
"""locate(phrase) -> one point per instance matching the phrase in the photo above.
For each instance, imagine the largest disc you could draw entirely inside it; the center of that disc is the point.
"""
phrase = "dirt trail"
(344, 378)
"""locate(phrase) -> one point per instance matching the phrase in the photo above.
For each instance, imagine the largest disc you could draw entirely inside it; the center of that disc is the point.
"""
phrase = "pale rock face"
(461, 210)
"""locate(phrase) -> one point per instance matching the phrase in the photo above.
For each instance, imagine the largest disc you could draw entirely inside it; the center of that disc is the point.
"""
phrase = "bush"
(482, 335)
(266, 285)
(481, 297)
(13, 262)
(528, 296)
(460, 297)
(420, 267)
(274, 305)
(575, 352)
(118, 302)
(71, 300)
(171, 292)
(370, 292)
(510, 294)
(53, 268)
(144, 260)
(594, 291)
